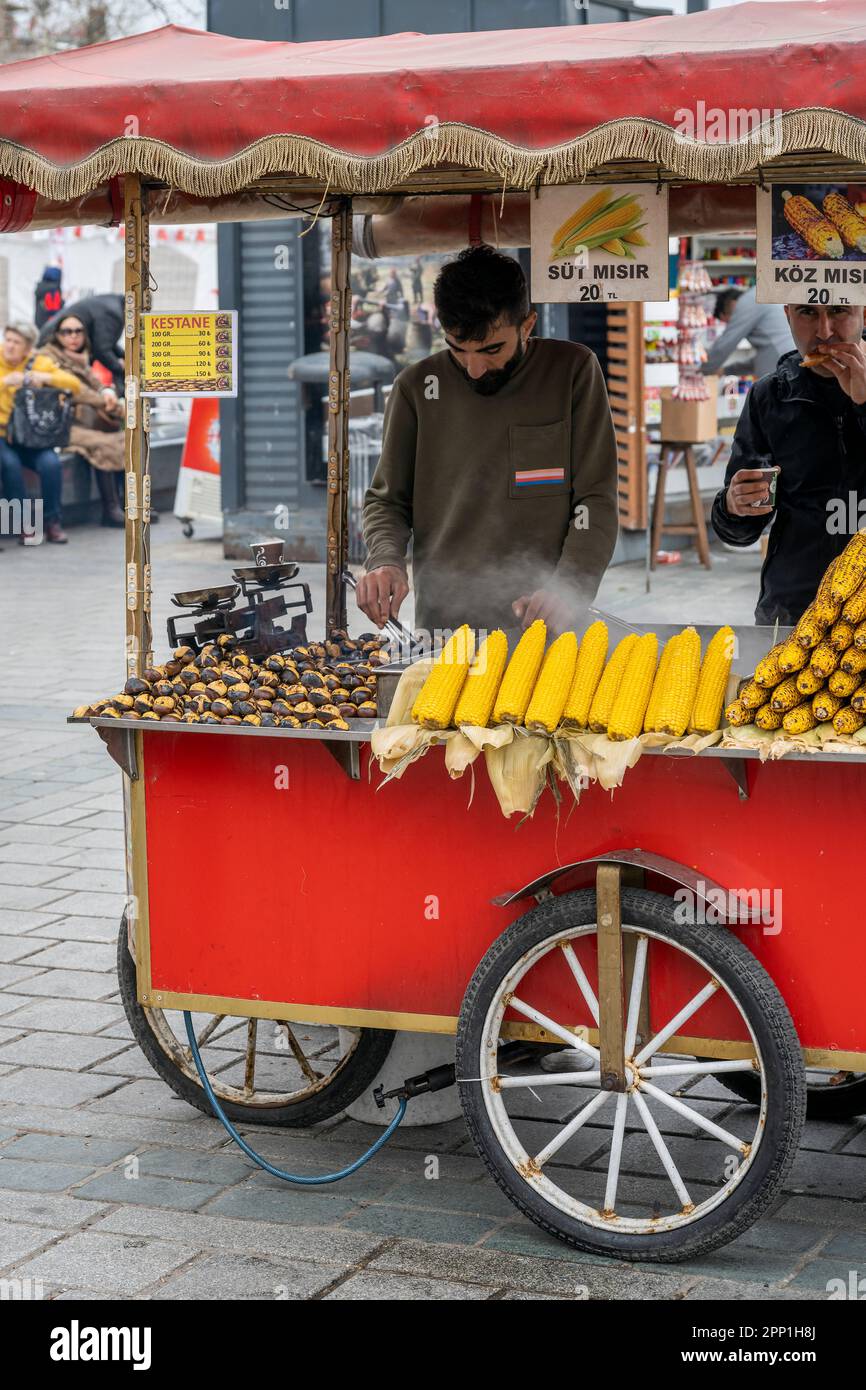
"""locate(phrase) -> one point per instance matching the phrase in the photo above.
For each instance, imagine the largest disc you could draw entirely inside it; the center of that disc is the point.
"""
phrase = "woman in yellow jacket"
(18, 340)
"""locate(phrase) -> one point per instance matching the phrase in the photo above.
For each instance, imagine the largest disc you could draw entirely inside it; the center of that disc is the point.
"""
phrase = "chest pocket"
(538, 461)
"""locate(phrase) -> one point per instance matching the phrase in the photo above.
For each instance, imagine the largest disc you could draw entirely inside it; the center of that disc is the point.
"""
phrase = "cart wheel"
(591, 1166)
(303, 1079)
(188, 530)
(829, 1095)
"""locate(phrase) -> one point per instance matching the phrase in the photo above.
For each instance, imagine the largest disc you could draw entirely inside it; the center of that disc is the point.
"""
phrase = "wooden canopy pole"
(338, 417)
(139, 638)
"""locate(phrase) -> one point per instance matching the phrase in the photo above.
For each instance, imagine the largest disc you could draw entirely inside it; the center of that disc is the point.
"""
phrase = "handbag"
(41, 417)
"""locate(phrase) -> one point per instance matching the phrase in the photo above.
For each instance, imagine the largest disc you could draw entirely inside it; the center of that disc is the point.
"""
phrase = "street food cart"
(274, 889)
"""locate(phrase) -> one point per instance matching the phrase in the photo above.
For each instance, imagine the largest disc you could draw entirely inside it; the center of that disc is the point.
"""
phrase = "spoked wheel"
(616, 1173)
(829, 1095)
(264, 1071)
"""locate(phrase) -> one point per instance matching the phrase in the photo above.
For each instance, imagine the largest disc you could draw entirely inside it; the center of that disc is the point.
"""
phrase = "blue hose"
(257, 1158)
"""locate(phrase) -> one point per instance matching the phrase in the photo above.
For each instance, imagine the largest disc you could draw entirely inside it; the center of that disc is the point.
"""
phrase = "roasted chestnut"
(123, 703)
(361, 695)
(143, 703)
(136, 686)
(183, 654)
(337, 723)
(242, 691)
(164, 704)
(367, 710)
(319, 697)
(314, 724)
(275, 662)
(304, 711)
(289, 721)
(149, 714)
(162, 688)
(231, 719)
(191, 718)
(268, 720)
(207, 718)
(216, 689)
(110, 713)
(348, 711)
(252, 719)
(312, 680)
(329, 712)
(150, 674)
(221, 707)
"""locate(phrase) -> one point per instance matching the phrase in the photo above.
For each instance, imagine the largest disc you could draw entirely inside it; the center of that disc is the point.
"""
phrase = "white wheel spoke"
(577, 1078)
(583, 984)
(635, 996)
(696, 1118)
(556, 1029)
(662, 1150)
(670, 1028)
(571, 1128)
(615, 1154)
(700, 1068)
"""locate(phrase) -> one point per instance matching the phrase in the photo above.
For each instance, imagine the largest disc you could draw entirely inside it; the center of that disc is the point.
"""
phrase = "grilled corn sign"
(599, 245)
(189, 354)
(812, 244)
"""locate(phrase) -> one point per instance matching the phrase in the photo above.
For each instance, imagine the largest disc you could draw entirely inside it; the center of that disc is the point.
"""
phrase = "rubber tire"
(349, 1082)
(733, 964)
(822, 1102)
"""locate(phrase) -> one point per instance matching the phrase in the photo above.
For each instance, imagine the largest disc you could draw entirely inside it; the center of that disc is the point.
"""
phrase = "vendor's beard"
(493, 381)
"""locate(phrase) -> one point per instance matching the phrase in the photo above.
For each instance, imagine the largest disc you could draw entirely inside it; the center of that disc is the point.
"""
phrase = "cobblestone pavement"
(111, 1186)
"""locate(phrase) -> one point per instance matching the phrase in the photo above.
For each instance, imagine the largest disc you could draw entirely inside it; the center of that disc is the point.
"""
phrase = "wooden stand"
(697, 527)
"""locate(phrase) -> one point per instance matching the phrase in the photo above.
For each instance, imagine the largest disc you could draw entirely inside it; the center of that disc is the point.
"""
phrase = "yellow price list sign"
(189, 354)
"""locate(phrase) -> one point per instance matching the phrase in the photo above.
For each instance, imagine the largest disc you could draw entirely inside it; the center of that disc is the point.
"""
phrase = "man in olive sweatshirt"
(499, 460)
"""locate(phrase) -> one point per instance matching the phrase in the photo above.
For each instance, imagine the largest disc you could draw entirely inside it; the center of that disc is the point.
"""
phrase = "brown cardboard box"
(690, 422)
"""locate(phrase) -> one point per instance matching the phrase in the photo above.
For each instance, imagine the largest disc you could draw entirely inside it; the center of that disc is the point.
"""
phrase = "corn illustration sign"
(599, 244)
(812, 244)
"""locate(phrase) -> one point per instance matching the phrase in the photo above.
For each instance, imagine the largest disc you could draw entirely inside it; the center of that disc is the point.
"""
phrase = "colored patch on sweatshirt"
(530, 477)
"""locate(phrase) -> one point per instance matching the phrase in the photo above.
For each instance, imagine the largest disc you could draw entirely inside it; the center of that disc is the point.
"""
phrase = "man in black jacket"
(809, 421)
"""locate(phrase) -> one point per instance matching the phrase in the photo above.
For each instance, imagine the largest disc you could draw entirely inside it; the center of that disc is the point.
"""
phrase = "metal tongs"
(402, 636)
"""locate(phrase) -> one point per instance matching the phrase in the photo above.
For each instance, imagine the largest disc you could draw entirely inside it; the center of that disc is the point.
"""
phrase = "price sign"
(599, 244)
(812, 244)
(189, 354)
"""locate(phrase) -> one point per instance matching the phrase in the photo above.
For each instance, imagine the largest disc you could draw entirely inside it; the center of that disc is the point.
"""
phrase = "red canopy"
(209, 114)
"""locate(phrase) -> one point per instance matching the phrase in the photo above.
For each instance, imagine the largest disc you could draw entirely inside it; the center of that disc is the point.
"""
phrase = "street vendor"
(498, 460)
(808, 420)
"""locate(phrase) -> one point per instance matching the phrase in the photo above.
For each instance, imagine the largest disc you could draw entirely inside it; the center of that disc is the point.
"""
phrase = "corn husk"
(408, 689)
(518, 771)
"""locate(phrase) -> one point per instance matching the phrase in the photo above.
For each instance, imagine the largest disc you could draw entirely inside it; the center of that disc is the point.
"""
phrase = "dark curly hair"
(478, 289)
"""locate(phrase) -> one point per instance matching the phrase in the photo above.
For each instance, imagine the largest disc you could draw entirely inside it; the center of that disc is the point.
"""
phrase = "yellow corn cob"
(843, 683)
(660, 684)
(608, 686)
(817, 231)
(545, 709)
(586, 210)
(610, 221)
(810, 629)
(860, 209)
(752, 695)
(480, 688)
(799, 720)
(808, 683)
(635, 238)
(437, 699)
(825, 705)
(848, 720)
(841, 635)
(614, 246)
(677, 699)
(786, 696)
(737, 714)
(824, 661)
(854, 610)
(713, 682)
(826, 608)
(792, 657)
(632, 698)
(587, 673)
(860, 635)
(853, 661)
(768, 672)
(850, 569)
(843, 216)
(858, 699)
(768, 718)
(521, 673)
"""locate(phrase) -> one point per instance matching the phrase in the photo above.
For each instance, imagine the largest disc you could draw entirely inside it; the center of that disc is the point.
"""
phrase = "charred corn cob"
(437, 699)
(810, 629)
(799, 720)
(786, 696)
(768, 672)
(816, 230)
(848, 720)
(860, 635)
(477, 697)
(587, 673)
(632, 698)
(660, 683)
(792, 657)
(608, 686)
(713, 682)
(858, 699)
(737, 714)
(808, 683)
(853, 660)
(521, 673)
(545, 709)
(825, 705)
(824, 661)
(841, 635)
(752, 695)
(850, 569)
(677, 698)
(826, 608)
(843, 683)
(854, 610)
(843, 216)
(768, 718)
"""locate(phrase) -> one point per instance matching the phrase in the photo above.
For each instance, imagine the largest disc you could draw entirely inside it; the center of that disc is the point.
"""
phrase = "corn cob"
(545, 709)
(768, 672)
(438, 696)
(590, 208)
(713, 682)
(817, 231)
(843, 216)
(792, 657)
(824, 661)
(853, 661)
(622, 215)
(752, 695)
(614, 246)
(737, 714)
(786, 696)
(608, 687)
(636, 238)
(810, 629)
(860, 635)
(850, 569)
(808, 683)
(632, 698)
(799, 720)
(843, 683)
(858, 699)
(826, 608)
(768, 718)
(854, 610)
(841, 635)
(521, 673)
(482, 683)
(848, 720)
(677, 699)
(660, 684)
(587, 673)
(825, 705)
